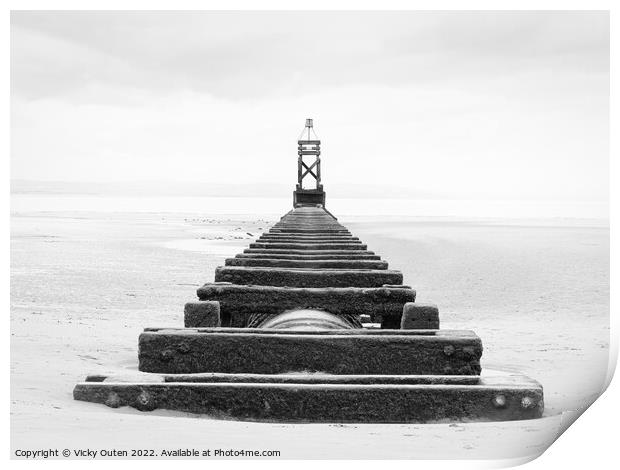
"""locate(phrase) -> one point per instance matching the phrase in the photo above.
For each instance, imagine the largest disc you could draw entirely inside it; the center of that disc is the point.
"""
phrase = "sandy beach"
(84, 284)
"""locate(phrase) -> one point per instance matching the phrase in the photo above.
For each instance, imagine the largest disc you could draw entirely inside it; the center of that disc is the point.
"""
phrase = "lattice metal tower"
(308, 145)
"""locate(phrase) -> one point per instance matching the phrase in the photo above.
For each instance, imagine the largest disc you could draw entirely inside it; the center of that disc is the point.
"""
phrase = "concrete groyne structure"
(308, 325)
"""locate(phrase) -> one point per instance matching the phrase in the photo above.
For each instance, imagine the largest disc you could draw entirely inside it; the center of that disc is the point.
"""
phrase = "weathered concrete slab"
(306, 240)
(237, 302)
(308, 229)
(345, 236)
(494, 399)
(314, 264)
(202, 313)
(309, 246)
(420, 316)
(270, 255)
(309, 242)
(306, 236)
(316, 230)
(352, 254)
(297, 277)
(248, 350)
(308, 220)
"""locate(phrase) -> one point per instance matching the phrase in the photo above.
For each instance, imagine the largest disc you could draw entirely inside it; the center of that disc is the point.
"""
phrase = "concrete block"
(493, 399)
(326, 254)
(297, 277)
(305, 236)
(309, 246)
(202, 313)
(316, 230)
(321, 256)
(274, 351)
(420, 316)
(307, 263)
(307, 239)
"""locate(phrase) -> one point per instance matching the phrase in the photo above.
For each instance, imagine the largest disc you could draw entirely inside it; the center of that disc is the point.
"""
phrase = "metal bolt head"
(499, 401)
(527, 402)
(145, 402)
(448, 350)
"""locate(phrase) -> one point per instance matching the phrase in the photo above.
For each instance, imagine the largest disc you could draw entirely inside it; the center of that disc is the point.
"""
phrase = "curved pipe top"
(306, 320)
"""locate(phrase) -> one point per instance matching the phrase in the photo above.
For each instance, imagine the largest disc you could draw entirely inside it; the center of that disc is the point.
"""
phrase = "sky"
(489, 105)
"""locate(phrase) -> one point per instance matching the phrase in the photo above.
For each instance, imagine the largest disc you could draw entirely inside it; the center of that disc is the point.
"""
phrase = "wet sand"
(83, 285)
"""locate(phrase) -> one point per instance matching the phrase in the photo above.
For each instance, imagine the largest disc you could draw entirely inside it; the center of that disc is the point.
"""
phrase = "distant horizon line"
(194, 188)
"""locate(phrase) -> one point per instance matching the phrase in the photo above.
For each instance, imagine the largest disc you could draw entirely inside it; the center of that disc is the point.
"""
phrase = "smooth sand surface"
(83, 285)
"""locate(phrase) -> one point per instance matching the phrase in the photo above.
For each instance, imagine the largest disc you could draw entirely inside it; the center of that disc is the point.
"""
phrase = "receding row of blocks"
(321, 266)
(407, 371)
(308, 248)
(308, 259)
(206, 314)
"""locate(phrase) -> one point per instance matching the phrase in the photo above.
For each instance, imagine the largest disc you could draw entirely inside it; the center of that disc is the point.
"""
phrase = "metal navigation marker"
(308, 145)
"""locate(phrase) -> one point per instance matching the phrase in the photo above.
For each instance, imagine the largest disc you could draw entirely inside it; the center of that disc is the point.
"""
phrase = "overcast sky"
(456, 104)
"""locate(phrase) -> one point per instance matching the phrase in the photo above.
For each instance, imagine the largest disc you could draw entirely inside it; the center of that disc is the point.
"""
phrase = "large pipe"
(307, 320)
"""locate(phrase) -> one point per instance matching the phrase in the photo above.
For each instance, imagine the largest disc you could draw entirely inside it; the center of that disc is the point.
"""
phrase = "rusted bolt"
(448, 350)
(113, 400)
(527, 402)
(145, 402)
(499, 401)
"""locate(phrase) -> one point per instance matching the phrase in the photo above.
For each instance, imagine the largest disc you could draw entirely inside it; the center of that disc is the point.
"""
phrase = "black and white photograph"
(307, 234)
